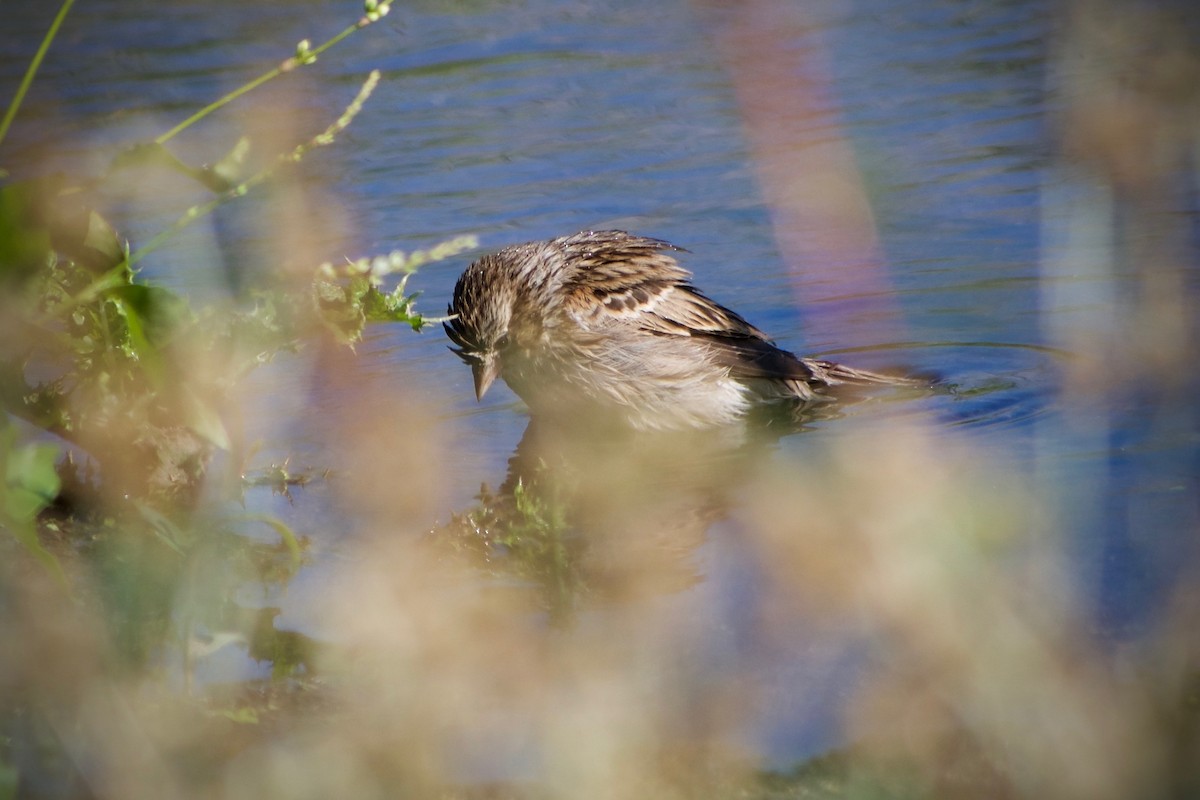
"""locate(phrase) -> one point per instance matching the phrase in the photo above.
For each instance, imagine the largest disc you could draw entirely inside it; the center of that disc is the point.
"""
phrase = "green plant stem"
(15, 105)
(324, 138)
(213, 106)
(289, 538)
(287, 66)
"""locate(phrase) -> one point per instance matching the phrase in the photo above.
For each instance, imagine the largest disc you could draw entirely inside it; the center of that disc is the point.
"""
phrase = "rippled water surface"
(527, 120)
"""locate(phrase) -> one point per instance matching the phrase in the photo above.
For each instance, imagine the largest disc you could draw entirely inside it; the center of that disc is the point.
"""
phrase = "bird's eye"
(502, 342)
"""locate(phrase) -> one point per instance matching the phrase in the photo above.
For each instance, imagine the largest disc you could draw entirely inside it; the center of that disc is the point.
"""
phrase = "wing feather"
(619, 279)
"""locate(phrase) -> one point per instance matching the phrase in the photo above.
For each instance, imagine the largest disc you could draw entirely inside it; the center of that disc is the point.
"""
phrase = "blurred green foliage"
(114, 393)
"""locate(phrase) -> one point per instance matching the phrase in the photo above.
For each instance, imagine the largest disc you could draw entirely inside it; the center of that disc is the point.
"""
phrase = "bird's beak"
(485, 373)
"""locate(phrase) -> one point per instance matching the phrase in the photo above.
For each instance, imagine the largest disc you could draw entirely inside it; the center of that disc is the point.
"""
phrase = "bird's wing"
(748, 357)
(617, 278)
(731, 341)
(633, 281)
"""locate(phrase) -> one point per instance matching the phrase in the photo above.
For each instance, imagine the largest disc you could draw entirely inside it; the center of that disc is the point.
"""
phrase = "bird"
(608, 325)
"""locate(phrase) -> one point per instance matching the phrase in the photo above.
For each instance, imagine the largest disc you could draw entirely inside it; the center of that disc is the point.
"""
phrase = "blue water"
(526, 121)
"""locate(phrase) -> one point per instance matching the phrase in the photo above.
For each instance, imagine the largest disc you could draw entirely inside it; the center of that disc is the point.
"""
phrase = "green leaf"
(103, 240)
(156, 154)
(24, 239)
(152, 316)
(31, 482)
(286, 535)
(159, 312)
(30, 485)
(224, 175)
(204, 420)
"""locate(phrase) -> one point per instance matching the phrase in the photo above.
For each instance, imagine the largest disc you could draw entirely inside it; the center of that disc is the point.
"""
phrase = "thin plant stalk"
(27, 81)
(326, 137)
(304, 56)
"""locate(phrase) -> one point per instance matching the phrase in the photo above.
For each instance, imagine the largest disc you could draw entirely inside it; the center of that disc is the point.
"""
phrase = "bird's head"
(480, 314)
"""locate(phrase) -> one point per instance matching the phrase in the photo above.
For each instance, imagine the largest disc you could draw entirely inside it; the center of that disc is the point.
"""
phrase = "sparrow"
(608, 323)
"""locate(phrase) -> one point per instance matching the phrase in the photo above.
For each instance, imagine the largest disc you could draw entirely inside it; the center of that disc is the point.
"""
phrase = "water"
(520, 121)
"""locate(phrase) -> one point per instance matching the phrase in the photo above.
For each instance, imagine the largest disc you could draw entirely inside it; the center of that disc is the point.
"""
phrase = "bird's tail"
(834, 374)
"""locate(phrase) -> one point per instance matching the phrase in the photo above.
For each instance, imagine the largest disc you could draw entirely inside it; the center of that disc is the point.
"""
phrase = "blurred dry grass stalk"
(988, 680)
(985, 680)
(1129, 123)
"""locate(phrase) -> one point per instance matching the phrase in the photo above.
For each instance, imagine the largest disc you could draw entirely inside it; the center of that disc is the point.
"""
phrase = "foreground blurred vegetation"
(126, 549)
(122, 545)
